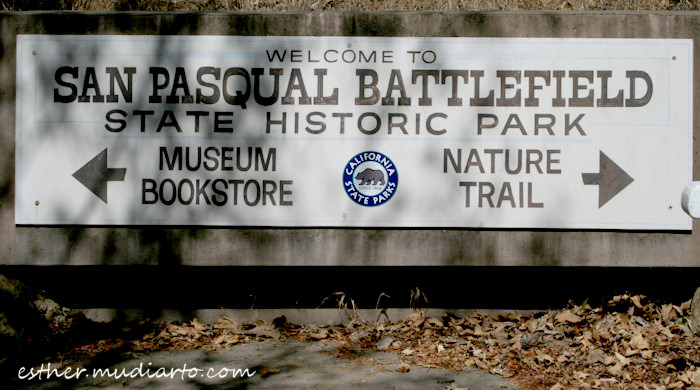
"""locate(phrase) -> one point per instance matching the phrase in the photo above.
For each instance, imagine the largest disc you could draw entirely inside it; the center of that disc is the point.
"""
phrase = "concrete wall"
(281, 247)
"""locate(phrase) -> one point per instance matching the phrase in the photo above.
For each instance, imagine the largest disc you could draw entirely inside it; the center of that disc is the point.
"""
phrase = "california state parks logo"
(370, 179)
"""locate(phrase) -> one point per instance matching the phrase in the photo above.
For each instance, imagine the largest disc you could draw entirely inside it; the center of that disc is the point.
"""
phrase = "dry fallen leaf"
(685, 306)
(403, 368)
(267, 371)
(615, 370)
(567, 316)
(595, 356)
(198, 326)
(580, 375)
(264, 331)
(694, 377)
(544, 358)
(638, 342)
(453, 387)
(481, 364)
(637, 301)
(623, 360)
(320, 335)
(667, 312)
(225, 323)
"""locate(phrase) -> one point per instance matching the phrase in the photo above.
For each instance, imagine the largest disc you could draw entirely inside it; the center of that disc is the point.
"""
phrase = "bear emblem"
(370, 176)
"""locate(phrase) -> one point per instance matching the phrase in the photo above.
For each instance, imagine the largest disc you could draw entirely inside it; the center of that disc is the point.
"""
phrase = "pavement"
(270, 365)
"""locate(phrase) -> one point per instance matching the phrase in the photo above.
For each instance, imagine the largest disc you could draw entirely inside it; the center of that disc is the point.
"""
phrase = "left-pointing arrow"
(94, 175)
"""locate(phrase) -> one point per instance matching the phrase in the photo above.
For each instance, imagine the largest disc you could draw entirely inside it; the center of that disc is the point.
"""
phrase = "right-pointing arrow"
(610, 179)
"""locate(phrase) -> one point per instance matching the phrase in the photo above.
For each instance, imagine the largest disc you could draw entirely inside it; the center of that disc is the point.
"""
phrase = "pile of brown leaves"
(626, 344)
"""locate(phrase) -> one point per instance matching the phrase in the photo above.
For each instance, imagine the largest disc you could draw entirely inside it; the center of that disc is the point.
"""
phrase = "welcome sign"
(353, 131)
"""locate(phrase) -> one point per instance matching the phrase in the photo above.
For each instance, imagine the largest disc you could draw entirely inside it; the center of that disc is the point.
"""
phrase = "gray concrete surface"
(282, 365)
(68, 245)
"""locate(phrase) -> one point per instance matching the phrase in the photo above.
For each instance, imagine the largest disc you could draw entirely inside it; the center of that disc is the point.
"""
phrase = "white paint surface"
(652, 143)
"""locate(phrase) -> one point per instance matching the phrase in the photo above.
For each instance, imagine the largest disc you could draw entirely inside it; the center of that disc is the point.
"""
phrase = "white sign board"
(353, 131)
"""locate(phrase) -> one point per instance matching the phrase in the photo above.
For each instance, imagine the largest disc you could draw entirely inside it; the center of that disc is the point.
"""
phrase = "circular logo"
(370, 179)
